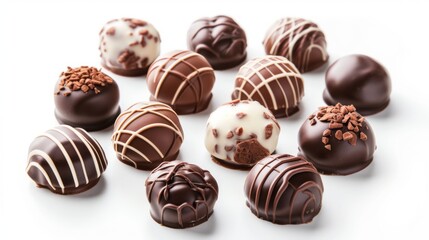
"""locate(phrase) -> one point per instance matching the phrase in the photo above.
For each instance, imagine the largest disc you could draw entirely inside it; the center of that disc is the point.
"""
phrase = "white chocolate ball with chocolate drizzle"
(241, 133)
(128, 46)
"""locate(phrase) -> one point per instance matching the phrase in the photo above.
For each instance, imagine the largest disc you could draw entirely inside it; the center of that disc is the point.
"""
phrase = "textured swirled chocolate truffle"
(65, 160)
(128, 46)
(183, 80)
(358, 80)
(220, 40)
(241, 133)
(337, 140)
(273, 81)
(284, 189)
(146, 134)
(180, 194)
(86, 98)
(299, 40)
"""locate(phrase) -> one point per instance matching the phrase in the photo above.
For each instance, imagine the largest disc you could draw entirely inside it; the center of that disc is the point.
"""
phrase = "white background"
(388, 199)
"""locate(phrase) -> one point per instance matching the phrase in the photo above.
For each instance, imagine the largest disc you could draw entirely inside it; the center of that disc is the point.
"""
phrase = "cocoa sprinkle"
(83, 78)
(344, 120)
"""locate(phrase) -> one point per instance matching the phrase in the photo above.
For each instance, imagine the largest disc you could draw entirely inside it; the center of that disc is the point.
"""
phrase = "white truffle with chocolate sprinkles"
(241, 133)
(128, 46)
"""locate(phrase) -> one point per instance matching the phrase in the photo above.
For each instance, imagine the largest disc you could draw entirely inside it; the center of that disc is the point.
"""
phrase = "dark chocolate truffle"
(337, 140)
(86, 98)
(273, 81)
(241, 133)
(183, 80)
(180, 194)
(146, 134)
(299, 40)
(358, 80)
(65, 160)
(284, 189)
(128, 46)
(220, 40)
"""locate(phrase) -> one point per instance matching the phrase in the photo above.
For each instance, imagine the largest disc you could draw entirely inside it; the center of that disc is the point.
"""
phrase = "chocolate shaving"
(268, 131)
(230, 135)
(228, 148)
(110, 31)
(215, 134)
(313, 122)
(241, 115)
(239, 131)
(215, 148)
(83, 78)
(253, 135)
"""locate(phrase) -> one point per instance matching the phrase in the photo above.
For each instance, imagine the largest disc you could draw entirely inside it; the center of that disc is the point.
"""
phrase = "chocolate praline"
(273, 81)
(86, 98)
(128, 46)
(240, 133)
(220, 40)
(358, 80)
(147, 134)
(65, 160)
(180, 194)
(183, 80)
(337, 140)
(299, 40)
(284, 189)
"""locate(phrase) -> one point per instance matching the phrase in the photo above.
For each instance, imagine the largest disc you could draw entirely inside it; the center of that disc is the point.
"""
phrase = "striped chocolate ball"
(147, 134)
(284, 189)
(65, 160)
(183, 80)
(273, 81)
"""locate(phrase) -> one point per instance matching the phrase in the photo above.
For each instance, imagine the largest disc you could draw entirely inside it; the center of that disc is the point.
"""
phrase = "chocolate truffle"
(146, 134)
(273, 81)
(128, 46)
(180, 194)
(87, 98)
(183, 80)
(284, 189)
(358, 80)
(337, 140)
(241, 133)
(299, 40)
(65, 160)
(220, 40)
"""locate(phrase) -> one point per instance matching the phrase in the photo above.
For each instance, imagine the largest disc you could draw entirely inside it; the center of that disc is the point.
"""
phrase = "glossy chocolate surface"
(339, 147)
(358, 80)
(273, 81)
(147, 134)
(299, 40)
(183, 80)
(91, 109)
(220, 40)
(284, 189)
(180, 194)
(65, 160)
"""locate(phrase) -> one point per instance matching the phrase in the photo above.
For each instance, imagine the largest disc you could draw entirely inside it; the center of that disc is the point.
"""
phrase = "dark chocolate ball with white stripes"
(147, 134)
(273, 81)
(183, 80)
(284, 189)
(299, 40)
(65, 160)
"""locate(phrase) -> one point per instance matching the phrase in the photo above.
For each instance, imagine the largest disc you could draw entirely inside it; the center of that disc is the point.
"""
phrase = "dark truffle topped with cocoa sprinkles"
(87, 98)
(337, 140)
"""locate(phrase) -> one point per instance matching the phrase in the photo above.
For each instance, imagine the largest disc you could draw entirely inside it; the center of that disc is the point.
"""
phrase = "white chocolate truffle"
(128, 46)
(241, 133)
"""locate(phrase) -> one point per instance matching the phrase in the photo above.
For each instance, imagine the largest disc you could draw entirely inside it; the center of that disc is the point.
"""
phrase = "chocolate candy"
(241, 133)
(146, 134)
(220, 40)
(284, 189)
(273, 81)
(86, 98)
(299, 40)
(65, 160)
(358, 80)
(183, 80)
(128, 46)
(180, 194)
(337, 140)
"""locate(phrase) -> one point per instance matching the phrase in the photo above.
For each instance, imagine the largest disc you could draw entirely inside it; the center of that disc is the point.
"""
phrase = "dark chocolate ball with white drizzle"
(65, 160)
